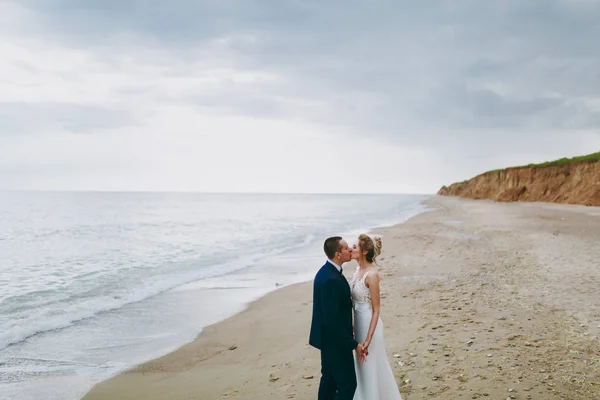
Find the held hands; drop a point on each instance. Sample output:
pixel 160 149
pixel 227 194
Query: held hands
pixel 362 352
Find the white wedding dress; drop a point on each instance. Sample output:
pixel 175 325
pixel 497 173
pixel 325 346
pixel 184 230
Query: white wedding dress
pixel 375 379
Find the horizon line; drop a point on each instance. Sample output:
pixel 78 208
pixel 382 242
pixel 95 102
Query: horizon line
pixel 207 192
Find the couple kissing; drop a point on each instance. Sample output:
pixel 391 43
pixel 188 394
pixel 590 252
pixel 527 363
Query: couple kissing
pixel 346 326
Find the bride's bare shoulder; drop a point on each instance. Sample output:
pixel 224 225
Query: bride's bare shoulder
pixel 374 271
pixel 372 275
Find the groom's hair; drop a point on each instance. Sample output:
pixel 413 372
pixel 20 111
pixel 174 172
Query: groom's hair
pixel 332 246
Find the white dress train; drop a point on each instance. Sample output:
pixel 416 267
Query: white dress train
pixel 375 379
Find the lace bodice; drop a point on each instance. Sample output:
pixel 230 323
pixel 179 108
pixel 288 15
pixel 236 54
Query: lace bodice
pixel 360 291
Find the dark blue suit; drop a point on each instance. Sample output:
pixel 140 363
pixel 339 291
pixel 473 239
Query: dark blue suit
pixel 331 332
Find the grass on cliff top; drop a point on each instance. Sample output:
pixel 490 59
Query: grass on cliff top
pixel 590 158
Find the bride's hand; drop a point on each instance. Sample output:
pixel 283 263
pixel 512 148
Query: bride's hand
pixel 366 348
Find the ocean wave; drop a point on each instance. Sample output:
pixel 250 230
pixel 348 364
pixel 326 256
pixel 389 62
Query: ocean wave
pixel 42 320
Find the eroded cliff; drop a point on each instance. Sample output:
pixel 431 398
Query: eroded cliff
pixel 573 183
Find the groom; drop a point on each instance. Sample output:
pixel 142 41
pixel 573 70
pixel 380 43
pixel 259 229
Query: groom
pixel 331 328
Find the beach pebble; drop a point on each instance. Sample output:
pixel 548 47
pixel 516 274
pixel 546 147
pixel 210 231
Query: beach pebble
pixel 400 363
pixel 396 355
pixel 308 377
pixel 407 381
pixel 233 347
pixel 511 390
pixel 273 378
pixel 489 355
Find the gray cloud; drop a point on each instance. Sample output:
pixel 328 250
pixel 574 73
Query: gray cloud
pixel 23 118
pixel 485 109
pixel 418 58
pixel 486 78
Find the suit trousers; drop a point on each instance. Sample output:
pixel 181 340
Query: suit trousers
pixel 338 376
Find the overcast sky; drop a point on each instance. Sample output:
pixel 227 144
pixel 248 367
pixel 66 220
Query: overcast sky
pixel 290 95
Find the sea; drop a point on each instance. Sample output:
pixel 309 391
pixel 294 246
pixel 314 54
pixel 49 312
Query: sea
pixel 93 283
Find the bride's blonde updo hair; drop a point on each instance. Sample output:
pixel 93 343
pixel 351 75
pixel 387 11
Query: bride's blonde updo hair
pixel 372 245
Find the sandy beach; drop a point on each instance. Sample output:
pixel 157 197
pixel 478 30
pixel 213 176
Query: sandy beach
pixel 480 300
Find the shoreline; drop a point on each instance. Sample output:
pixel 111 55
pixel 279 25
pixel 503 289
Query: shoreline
pixel 431 262
pixel 66 363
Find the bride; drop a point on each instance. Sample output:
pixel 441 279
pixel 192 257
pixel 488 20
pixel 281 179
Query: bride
pixel 374 376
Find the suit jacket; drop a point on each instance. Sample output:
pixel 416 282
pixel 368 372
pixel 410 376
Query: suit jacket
pixel 331 326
